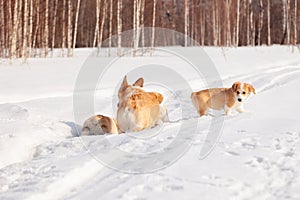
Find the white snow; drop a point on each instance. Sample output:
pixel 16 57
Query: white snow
pixel 256 157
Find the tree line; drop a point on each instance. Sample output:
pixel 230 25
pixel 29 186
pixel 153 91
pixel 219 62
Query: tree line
pixel 31 28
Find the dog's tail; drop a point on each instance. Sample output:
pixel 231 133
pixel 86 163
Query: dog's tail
pixel 193 97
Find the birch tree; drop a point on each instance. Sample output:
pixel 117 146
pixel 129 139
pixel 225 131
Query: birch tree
pixel 237 23
pixel 69 30
pixel 110 25
pixel 119 26
pixel 153 27
pixel 63 27
pixel 102 25
pixel 96 32
pixel 283 21
pixel 13 46
pixel 260 23
pixel 269 22
pixel 295 23
pixel 186 22
pixel 76 23
pixel 136 25
pixel 2 29
pixel 46 42
pixel 54 26
pixel 288 30
pixel 25 24
pixel 142 23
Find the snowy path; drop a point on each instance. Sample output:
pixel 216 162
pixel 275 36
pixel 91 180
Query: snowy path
pixel 257 156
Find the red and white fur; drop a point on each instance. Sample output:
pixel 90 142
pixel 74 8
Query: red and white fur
pixel 228 99
pixel 138 109
pixel 99 125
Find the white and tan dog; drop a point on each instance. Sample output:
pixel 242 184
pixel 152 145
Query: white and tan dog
pixel 137 109
pixel 222 98
pixel 99 125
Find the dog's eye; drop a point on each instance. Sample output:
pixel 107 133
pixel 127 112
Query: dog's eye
pixel 244 92
pixel 238 92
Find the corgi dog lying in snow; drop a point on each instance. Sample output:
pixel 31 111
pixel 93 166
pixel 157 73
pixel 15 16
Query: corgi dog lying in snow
pixel 99 125
pixel 137 109
pixel 222 98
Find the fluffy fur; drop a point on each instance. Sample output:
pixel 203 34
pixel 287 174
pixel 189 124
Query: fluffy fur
pixel 222 98
pixel 99 125
pixel 137 109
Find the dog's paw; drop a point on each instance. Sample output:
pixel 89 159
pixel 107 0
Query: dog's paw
pixel 243 111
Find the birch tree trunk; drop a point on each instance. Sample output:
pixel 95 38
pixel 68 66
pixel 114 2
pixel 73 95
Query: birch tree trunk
pixel 110 25
pixel 203 22
pixel 2 39
pixel 284 21
pixel 252 29
pixel 13 46
pixel 260 25
pixel 69 33
pixel 288 30
pixel 63 28
pixel 19 30
pixel 186 22
pixel 295 24
pixel 237 23
pixel 142 23
pixel 248 21
pixel 46 43
pixel 54 26
pixel 98 4
pixel 214 35
pixel 269 22
pixel 37 24
pixel 30 27
pixel 228 40
pixel 76 23
pixel 153 28
pixel 102 25
pixel 136 25
pixel 25 34
pixel 119 28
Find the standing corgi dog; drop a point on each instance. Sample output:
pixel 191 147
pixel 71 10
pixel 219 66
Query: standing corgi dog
pixel 137 109
pixel 99 125
pixel 222 98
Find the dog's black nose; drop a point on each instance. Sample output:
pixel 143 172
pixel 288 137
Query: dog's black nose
pixel 240 100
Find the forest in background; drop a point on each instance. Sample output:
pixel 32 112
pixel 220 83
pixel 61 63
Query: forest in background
pixel 33 28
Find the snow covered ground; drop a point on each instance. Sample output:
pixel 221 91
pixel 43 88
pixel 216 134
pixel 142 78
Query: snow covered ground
pixel 256 157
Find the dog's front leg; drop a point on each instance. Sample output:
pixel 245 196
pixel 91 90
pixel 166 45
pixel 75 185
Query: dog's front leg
pixel 241 109
pixel 227 111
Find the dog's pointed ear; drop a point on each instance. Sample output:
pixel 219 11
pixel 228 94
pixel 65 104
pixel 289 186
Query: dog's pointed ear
pixel 251 88
pixel 124 84
pixel 235 86
pixel 139 82
pixel 158 96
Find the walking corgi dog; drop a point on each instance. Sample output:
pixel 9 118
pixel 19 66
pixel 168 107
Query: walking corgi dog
pixel 222 98
pixel 137 109
pixel 99 125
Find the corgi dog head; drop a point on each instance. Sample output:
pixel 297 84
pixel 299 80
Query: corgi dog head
pixel 126 89
pixel 242 91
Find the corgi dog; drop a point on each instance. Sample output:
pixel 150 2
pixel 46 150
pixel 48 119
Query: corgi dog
pixel 137 109
pixel 222 98
pixel 99 125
